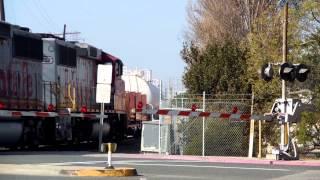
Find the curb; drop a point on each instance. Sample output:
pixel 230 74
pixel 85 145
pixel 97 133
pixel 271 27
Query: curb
pixel 223 159
pixel 117 172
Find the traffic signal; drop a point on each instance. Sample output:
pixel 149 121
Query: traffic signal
pixel 267 72
pixel 290 72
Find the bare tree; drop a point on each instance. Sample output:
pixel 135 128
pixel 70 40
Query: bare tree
pixel 223 19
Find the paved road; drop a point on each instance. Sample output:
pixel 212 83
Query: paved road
pixel 147 168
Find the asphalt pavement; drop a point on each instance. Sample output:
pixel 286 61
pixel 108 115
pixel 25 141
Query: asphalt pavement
pixel 48 165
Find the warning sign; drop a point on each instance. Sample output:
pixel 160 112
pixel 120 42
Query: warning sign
pixel 103 93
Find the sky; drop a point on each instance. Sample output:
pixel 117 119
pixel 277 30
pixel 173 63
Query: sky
pixel 144 34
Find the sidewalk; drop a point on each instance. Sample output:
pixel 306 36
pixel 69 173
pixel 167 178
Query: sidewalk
pixel 217 159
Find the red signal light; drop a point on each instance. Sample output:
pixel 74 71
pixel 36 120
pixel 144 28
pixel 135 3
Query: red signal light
pixel 84 109
pixel 235 110
pixel 193 107
pixel 50 107
pixel 2 105
pixel 140 105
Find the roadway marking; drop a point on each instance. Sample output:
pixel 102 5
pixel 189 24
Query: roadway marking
pixel 205 166
pixel 167 176
pixel 74 163
pixel 114 162
pixel 147 163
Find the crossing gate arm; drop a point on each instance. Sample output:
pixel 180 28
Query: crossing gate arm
pixel 172 112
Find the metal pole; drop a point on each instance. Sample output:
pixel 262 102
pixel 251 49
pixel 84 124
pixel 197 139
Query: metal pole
pixel 260 141
pixel 182 105
pixel 101 127
pixel 284 46
pixel 203 122
pixel 284 57
pixel 109 155
pixel 176 102
pixel 2 13
pixel 152 119
pixel 64 32
pixel 160 117
pixel 251 136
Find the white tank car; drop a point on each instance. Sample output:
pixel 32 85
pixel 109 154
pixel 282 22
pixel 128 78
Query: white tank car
pixel 134 83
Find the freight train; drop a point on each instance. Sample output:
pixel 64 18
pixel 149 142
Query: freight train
pixel 48 91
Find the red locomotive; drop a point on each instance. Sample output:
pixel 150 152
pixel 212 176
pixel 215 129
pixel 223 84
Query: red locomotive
pixel 48 91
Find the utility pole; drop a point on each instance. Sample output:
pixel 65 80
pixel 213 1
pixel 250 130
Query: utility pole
pixel 284 125
pixel 287 72
pixel 2 14
pixel 284 46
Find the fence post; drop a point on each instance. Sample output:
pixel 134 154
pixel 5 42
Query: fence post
pixel 260 153
pixel 251 135
pixel 203 122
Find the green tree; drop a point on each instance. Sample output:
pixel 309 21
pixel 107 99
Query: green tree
pixel 265 45
pixel 219 68
pixel 221 62
pixel 309 126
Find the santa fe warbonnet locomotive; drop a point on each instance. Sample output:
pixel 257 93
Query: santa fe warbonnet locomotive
pixel 48 91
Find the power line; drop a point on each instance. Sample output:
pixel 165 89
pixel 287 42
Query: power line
pixel 31 13
pixel 44 13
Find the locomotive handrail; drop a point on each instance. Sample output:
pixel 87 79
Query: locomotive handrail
pixel 17 114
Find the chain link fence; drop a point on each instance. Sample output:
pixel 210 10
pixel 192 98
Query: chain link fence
pixel 180 135
pixel 206 136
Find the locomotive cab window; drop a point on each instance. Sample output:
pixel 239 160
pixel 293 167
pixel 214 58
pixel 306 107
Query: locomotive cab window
pixel 27 47
pixel 4 30
pixel 67 56
pixel 118 69
pixel 93 52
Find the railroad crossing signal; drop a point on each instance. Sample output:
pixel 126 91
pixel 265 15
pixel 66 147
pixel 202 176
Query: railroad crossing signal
pixel 267 72
pixel 302 72
pixel 290 72
pixel 287 72
pixel 293 3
